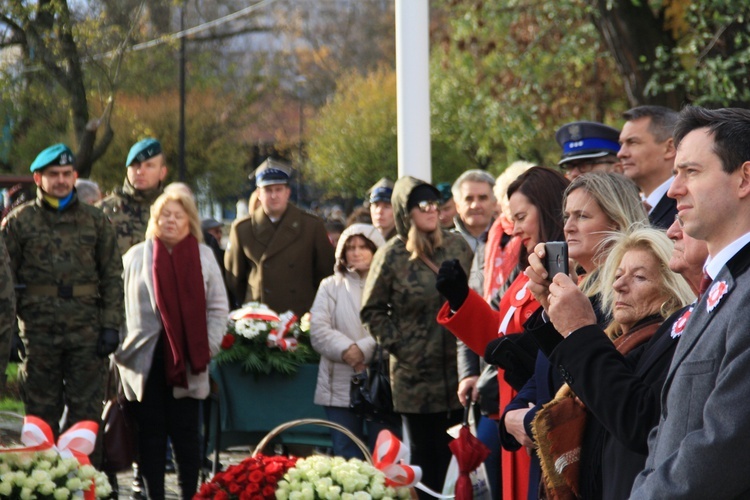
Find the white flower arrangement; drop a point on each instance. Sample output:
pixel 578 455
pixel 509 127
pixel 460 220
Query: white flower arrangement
pixel 262 341
pixel 45 475
pixel 335 478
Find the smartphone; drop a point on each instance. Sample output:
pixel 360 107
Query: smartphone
pixel 556 260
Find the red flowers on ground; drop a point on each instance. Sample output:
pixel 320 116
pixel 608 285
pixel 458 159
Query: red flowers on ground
pixel 254 478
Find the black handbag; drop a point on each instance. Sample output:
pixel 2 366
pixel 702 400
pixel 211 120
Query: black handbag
pixel 370 394
pixel 516 355
pixel 119 437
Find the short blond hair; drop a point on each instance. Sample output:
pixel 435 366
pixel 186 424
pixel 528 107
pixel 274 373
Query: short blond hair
pixel 184 198
pixel 655 242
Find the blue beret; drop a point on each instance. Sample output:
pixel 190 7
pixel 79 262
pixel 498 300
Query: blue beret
pixel 56 155
pixel 581 140
pixel 143 150
pixel 272 172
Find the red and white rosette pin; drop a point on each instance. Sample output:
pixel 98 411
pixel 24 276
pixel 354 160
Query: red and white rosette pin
pixel 718 290
pixel 679 325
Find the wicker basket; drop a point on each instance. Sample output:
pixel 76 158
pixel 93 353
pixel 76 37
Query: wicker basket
pixel 313 421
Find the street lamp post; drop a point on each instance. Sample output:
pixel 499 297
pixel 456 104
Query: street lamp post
pixel 182 170
pixel 301 80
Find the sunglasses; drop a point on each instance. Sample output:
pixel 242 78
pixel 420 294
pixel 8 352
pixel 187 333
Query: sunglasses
pixel 586 166
pixel 428 206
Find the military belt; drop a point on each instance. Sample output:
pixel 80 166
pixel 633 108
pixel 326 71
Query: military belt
pixel 63 291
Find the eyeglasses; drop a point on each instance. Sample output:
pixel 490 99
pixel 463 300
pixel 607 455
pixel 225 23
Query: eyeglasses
pixel 585 166
pixel 428 206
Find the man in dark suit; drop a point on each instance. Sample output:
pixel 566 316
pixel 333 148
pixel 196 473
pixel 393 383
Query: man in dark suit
pixel 647 155
pixel 700 447
pixel 278 254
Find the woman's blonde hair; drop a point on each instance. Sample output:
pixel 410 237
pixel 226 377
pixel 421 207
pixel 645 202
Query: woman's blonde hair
pixel 620 200
pixel 184 198
pixel 656 243
pixel 419 243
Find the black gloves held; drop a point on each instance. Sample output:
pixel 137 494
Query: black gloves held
pixel 452 283
pixel 109 339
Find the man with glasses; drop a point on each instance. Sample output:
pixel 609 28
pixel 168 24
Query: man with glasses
pixel 588 147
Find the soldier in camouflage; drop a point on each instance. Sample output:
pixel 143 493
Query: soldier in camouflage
pixel 399 308
pixel 129 208
pixel 65 259
pixel 7 311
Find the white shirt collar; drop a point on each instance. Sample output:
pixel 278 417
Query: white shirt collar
pixel 656 196
pixel 714 264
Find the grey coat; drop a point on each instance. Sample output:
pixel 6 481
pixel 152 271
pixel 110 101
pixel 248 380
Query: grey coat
pixel 143 323
pixel 701 447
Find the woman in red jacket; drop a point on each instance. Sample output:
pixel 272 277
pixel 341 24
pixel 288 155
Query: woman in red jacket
pixel 535 203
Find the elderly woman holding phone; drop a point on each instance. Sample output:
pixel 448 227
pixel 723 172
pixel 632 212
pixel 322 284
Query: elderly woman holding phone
pixel 618 373
pixel 176 312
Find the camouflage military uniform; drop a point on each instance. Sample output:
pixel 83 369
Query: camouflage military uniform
pixel 7 310
pixel 399 308
pixel 71 268
pixel 129 210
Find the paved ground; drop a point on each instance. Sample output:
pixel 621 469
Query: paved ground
pixel 172 491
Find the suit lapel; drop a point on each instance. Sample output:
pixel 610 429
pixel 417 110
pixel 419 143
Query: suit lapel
pixel 285 234
pixel 663 213
pixel 660 344
pixel 700 318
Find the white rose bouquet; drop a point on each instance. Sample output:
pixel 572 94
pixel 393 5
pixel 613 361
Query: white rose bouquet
pixel 45 475
pixel 262 341
pixel 334 478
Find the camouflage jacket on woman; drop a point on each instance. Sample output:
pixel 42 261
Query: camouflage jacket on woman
pixel 399 307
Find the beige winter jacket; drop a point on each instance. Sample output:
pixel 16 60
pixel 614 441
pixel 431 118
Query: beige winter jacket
pixel 335 325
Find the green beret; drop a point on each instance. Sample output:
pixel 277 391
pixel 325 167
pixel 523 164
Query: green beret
pixel 53 156
pixel 143 150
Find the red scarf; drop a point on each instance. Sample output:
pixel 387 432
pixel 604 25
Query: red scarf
pixel 181 299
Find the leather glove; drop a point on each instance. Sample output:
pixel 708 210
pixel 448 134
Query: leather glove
pixel 452 283
pixel 109 339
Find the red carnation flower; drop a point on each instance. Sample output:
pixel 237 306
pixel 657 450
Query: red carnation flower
pixel 227 341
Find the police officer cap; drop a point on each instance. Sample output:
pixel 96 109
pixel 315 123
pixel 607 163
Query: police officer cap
pixel 445 192
pixel 381 191
pixel 581 140
pixel 143 150
pixel 53 156
pixel 272 172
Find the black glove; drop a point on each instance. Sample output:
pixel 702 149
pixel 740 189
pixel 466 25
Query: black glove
pixel 109 339
pixel 452 283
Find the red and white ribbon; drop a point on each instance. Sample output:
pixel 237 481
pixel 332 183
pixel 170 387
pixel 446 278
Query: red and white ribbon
pixel 286 321
pixel 77 442
pixel 279 338
pixel 389 454
pixel 390 458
